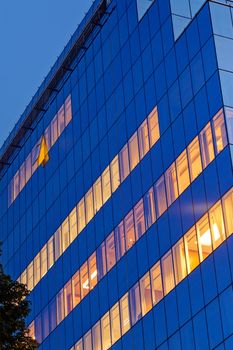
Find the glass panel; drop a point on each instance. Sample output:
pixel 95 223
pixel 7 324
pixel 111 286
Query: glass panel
pixel 156 282
pixel 76 288
pixel 68 110
pixel 110 251
pixel 45 322
pixel 120 240
pixel 143 138
pixel 96 336
pixel 160 196
pixel 115 323
pixel 47 135
pixel 22 176
pixel 106 335
pixel 54 131
pixel 98 201
pixel 79 345
pixel 191 249
pixel 133 151
pixel 139 219
pixel 28 167
pixel 129 230
pixel 37 269
pixel 207 148
pixel 204 237
pixel 220 135
pixel 81 215
pixel 73 224
pixel 106 184
pixel 101 261
pixel 149 208
pixel 229 122
pixel 89 205
pixel 168 274
pixel 30 276
pixel 35 154
pixel 171 184
pixel 182 172
pixel 125 320
pixel 153 126
pixel 228 210
pixel 84 280
pixel 135 304
pixel 217 225
pixel 194 157
pixel 61 120
pixel 60 306
pixel 50 252
pixel 52 314
pixel 92 270
pixel 124 162
pixel 145 288
pixel 57 242
pixel 38 329
pixel 68 298
pixel 179 261
pixel 115 175
pixel 16 184
pixel 87 341
pixel 65 235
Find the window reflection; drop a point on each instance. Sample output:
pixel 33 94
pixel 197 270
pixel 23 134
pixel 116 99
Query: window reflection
pixel 228 210
pixel 194 157
pixel 106 335
pixel 133 151
pixel 191 249
pixel 204 237
pixel 182 172
pixel 156 282
pixel 207 148
pixel 217 225
pixel 146 297
pixel 179 260
pixel 219 131
pixel 171 184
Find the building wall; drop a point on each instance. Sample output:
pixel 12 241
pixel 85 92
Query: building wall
pixel 131 67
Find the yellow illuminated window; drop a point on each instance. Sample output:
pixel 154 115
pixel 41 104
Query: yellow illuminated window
pixel 124 162
pixel 54 130
pixel 171 184
pixel 65 235
pixel 43 156
pixel 106 335
pixel 194 157
pixel 179 260
pixel 16 184
pixel 44 263
pixel 57 244
pixel 115 323
pixel 50 252
pixel 89 205
pixel 220 134
pixel 182 172
pixel 133 151
pixel 79 345
pixel 207 148
pixel 146 297
pixel 191 249
pixel 37 269
pixel 73 224
pixel 228 210
pixel 60 306
pixel 98 202
pixel 106 184
pixel 84 280
pixel 143 138
pixel 217 224
pixel 160 196
pixel 68 304
pixel 96 336
pixel 167 272
pixel 156 282
pixel 61 120
pixel 139 219
pixel 129 230
pixel 204 237
pixel 153 126
pixel 81 215
pixel 125 320
pixel 115 175
pixel 110 251
pixel 87 341
pixel 149 208
pixel 120 240
pixel 76 289
pixel 68 110
pixel 92 270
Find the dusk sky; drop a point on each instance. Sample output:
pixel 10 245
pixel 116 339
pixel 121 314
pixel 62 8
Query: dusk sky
pixel 32 35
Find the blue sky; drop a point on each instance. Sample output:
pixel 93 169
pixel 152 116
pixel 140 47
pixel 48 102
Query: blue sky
pixel 32 35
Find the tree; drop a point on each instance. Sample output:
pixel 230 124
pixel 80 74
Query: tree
pixel 14 308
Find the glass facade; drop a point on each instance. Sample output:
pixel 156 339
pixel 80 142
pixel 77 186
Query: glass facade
pixel 116 184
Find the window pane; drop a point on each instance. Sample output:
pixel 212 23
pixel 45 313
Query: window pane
pixel 106 184
pixel 81 215
pixel 194 157
pixel 101 261
pixel 68 110
pixel 45 322
pixel 73 224
pixel 28 167
pixel 87 341
pixel 207 148
pixel 191 249
pixel 98 202
pixel 106 336
pixel 54 132
pixel 96 336
pixel 139 219
pixel 47 135
pixel 153 126
pixel 60 306
pixel 120 240
pixel 57 242
pixel 182 172
pixel 38 329
pixel 124 163
pixel 115 175
pixel 145 289
pixel 65 235
pixel 143 138
pixel 115 323
pixel 30 284
pixel 79 345
pixel 50 252
pixel 129 230
pixel 92 270
pixel 156 282
pixel 44 260
pixel 149 208
pixel 36 269
pixel 84 280
pixel 16 184
pixel 76 288
pixel 110 251
pixel 220 135
pixel 89 205
pixel 217 225
pixel 229 121
pixel 68 298
pixel 52 314
pixel 125 320
pixel 228 210
pixel 22 176
pixel 61 120
pixel 135 304
pixel 160 196
pixel 171 184
pixel 168 274
pixel 133 151
pixel 204 237
pixel 179 261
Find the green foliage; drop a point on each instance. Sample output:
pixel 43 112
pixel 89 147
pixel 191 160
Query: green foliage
pixel 14 308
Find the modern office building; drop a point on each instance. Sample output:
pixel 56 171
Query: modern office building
pixel 116 183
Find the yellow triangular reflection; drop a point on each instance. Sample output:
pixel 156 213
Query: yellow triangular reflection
pixel 44 153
